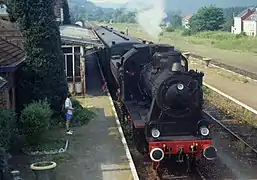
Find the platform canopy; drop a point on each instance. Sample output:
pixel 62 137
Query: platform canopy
pixel 79 35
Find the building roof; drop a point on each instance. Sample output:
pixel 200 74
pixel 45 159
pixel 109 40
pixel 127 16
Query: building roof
pixel 78 34
pixel 111 37
pixel 4 24
pixel 3 83
pixel 11 55
pixel 252 17
pixel 244 12
pixel 187 17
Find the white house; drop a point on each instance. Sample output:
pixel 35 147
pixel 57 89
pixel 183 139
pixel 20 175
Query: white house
pixel 242 18
pixel 185 21
pixel 250 25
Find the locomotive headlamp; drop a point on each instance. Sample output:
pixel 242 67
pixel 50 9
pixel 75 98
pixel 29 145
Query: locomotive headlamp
pixel 180 87
pixel 204 131
pixel 155 133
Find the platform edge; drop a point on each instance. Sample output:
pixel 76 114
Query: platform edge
pixel 231 98
pixel 123 139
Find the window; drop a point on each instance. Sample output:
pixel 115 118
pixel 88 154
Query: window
pixel 77 50
pixel 69 67
pixel 77 65
pixel 67 50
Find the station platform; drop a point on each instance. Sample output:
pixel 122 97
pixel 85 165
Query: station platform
pixel 236 86
pixel 102 155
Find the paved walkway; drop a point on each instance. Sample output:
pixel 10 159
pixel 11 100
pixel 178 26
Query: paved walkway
pixel 96 148
pixel 235 86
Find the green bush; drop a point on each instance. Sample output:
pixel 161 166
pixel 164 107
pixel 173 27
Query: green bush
pixel 186 32
pixel 76 104
pixel 7 127
pixel 82 116
pixel 170 29
pixel 35 119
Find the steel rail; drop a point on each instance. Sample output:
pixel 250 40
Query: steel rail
pixel 231 132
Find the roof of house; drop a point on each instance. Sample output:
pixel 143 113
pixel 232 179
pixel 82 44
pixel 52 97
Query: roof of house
pixel 252 17
pixel 4 24
pixel 244 12
pixel 187 17
pixel 3 83
pixel 10 55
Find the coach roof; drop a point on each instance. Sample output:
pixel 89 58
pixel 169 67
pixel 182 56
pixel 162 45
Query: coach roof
pixel 111 37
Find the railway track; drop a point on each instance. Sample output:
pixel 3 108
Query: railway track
pixel 170 170
pixel 246 134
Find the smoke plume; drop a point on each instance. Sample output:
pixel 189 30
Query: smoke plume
pixel 149 15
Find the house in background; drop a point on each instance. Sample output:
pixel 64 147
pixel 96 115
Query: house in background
pixel 245 22
pixel 185 21
pixel 250 24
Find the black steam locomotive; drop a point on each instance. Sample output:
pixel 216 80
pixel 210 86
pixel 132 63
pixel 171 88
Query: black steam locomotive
pixel 159 95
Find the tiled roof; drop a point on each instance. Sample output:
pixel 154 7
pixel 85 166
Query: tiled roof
pixel 3 83
pixel 187 17
pixel 252 17
pixel 10 54
pixel 245 11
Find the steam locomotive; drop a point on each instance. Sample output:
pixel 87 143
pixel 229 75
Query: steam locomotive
pixel 159 96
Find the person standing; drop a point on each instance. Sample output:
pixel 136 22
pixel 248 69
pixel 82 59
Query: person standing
pixel 69 111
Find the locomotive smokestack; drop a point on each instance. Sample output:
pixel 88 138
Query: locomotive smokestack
pixel 174 61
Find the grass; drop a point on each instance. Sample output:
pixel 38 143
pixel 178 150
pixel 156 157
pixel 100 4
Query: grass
pixel 214 39
pixel 200 65
pixel 229 107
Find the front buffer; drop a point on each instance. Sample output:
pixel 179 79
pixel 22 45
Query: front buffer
pixel 182 150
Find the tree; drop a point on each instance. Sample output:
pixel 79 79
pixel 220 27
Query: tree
pixel 42 75
pixel 227 24
pixel 175 19
pixel 91 12
pixel 66 12
pixel 207 19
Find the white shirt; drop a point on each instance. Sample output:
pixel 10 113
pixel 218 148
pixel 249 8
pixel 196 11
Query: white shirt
pixel 68 105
